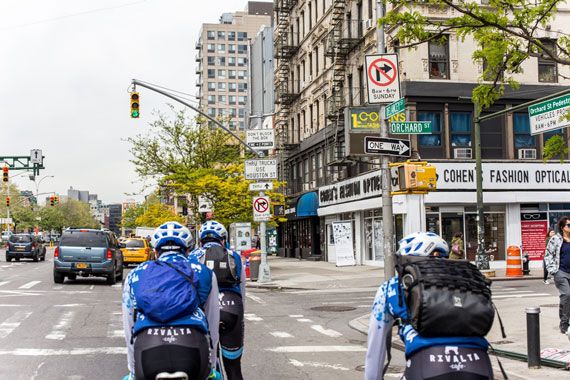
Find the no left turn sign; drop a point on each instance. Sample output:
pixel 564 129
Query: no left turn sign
pixel 383 78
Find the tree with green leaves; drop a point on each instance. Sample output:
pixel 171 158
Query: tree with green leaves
pixel 156 214
pixel 197 160
pixel 506 32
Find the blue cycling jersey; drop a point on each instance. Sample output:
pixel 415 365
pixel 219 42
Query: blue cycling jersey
pixel 197 256
pixel 385 309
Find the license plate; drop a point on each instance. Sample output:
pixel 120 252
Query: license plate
pixel 19 248
pixel 81 265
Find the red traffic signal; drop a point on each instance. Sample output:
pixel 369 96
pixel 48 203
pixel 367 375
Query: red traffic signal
pixel 52 201
pixel 5 172
pixel 7 201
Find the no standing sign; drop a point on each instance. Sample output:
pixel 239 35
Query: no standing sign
pixel 383 78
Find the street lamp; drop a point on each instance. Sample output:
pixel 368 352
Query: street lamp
pixel 38 186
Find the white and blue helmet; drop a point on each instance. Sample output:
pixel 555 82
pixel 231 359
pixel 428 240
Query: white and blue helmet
pixel 172 236
pixel 213 230
pixel 423 244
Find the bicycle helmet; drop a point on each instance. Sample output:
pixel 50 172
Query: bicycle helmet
pixel 172 236
pixel 212 230
pixel 423 244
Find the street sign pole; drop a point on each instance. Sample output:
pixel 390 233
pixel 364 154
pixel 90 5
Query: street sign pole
pixel 264 270
pixel 387 212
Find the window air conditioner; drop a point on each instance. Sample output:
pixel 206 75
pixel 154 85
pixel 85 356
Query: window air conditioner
pixel 367 24
pixel 527 154
pixel 464 153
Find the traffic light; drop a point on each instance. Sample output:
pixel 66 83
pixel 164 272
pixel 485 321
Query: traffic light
pixel 56 200
pixel 52 201
pixel 5 172
pixel 7 201
pixel 135 112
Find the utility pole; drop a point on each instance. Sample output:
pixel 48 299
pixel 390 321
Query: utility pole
pixel 482 259
pixel 387 212
pixel 264 274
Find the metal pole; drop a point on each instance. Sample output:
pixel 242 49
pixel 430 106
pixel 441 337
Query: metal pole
pixel 264 270
pixel 217 123
pixel 482 259
pixel 387 212
pixel 533 336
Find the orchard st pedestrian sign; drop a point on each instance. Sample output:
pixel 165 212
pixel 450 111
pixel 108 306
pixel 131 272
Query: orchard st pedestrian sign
pixel 549 115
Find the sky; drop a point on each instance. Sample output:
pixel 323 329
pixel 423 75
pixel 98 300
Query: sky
pixel 65 71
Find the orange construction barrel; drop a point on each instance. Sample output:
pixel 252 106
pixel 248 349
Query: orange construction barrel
pixel 514 261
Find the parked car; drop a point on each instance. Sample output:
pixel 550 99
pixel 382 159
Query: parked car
pixel 88 252
pixel 136 251
pixel 25 246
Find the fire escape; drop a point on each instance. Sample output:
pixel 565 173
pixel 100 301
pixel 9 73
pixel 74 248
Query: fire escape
pixel 343 37
pixel 285 91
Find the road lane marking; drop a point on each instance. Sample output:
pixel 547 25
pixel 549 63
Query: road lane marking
pixel 281 334
pixel 4 283
pixel 63 352
pixel 70 305
pixel 92 287
pixel 296 315
pixel 9 305
pixel 304 320
pixel 117 286
pixel 335 290
pixel 297 363
pixel 255 298
pixel 523 295
pixel 301 349
pixel 115 328
pixel 60 330
pixel 327 332
pixel 13 322
pixel 29 285
pixel 253 317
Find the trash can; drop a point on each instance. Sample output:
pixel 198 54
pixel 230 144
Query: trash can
pixel 245 257
pixel 254 263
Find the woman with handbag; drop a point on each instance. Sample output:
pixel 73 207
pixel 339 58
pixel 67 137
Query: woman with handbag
pixel 457 252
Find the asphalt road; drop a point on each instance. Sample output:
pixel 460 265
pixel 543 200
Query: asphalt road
pixel 74 331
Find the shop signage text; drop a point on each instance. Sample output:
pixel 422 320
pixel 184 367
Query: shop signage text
pixel 365 186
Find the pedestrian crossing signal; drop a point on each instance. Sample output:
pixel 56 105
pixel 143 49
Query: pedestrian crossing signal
pixel 135 111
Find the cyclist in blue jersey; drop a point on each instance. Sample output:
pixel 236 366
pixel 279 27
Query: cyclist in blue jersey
pixel 158 343
pixel 441 358
pixel 230 274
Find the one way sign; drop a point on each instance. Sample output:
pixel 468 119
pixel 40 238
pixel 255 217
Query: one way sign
pixel 386 146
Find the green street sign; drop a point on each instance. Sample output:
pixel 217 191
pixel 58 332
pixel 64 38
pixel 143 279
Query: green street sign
pixel 411 128
pixel 394 108
pixel 549 115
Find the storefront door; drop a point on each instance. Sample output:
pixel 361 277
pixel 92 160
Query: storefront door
pixel 451 223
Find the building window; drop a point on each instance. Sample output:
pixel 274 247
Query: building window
pixel 306 172
pixel 231 61
pixel 211 34
pixel 521 130
pixel 242 49
pixel 221 48
pixel 221 61
pixel 232 112
pixel 233 86
pixel 222 99
pixel 241 74
pixel 460 129
pixel 221 74
pixel 211 99
pixel 221 85
pixel 310 6
pixel 242 36
pixel 211 61
pixel 547 68
pixel 231 48
pixel 233 99
pixel 242 100
pixel 439 58
pixel 320 165
pixel 370 9
pixel 211 86
pixel 211 73
pixel 211 48
pixel 242 87
pixel 221 35
pixel 232 74
pixel 430 146
pixel 231 36
pixel 242 61
pixel 212 112
pixel 241 113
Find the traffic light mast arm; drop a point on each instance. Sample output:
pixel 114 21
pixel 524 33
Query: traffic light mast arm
pixel 217 123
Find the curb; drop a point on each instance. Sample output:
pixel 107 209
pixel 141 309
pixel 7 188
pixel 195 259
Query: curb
pixel 493 279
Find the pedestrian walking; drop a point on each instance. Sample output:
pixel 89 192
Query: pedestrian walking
pixel 457 252
pixel 557 261
pixel 550 234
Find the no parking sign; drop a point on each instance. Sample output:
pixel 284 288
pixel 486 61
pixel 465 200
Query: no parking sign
pixel 383 78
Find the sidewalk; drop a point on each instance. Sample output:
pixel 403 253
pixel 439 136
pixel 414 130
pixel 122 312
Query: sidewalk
pixel 287 273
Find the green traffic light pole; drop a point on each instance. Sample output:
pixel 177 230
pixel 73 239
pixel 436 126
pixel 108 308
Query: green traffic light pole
pixel 264 270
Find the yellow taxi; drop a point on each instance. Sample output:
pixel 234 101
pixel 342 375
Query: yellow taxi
pixel 136 250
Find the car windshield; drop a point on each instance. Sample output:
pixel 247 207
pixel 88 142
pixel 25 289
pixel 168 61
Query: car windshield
pixel 20 239
pixel 84 239
pixel 134 243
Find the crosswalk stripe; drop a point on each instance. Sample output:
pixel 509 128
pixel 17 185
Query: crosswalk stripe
pixel 255 298
pixel 304 320
pixel 115 329
pixel 300 349
pixel 64 352
pixel 2 283
pixel 281 334
pixel 29 285
pixel 522 295
pixel 297 363
pixel 13 322
pixel 253 317
pixel 327 332
pixel 60 330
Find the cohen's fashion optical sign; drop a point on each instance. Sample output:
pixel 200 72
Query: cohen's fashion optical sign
pixel 504 176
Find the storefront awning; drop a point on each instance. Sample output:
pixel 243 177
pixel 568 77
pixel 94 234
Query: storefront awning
pixel 307 205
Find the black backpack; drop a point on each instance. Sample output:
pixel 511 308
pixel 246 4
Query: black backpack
pixel 223 264
pixel 445 297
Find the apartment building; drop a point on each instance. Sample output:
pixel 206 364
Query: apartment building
pixel 223 62
pixel 320 82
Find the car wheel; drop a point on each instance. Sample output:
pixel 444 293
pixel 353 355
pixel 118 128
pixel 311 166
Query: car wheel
pixel 120 276
pixel 8 259
pixel 58 278
pixel 36 258
pixel 43 257
pixel 112 278
pixel 17 259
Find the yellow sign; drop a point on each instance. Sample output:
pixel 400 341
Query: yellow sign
pixel 367 118
pixel 415 177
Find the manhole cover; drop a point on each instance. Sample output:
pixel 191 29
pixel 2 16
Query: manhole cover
pixel 550 305
pixel 335 308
